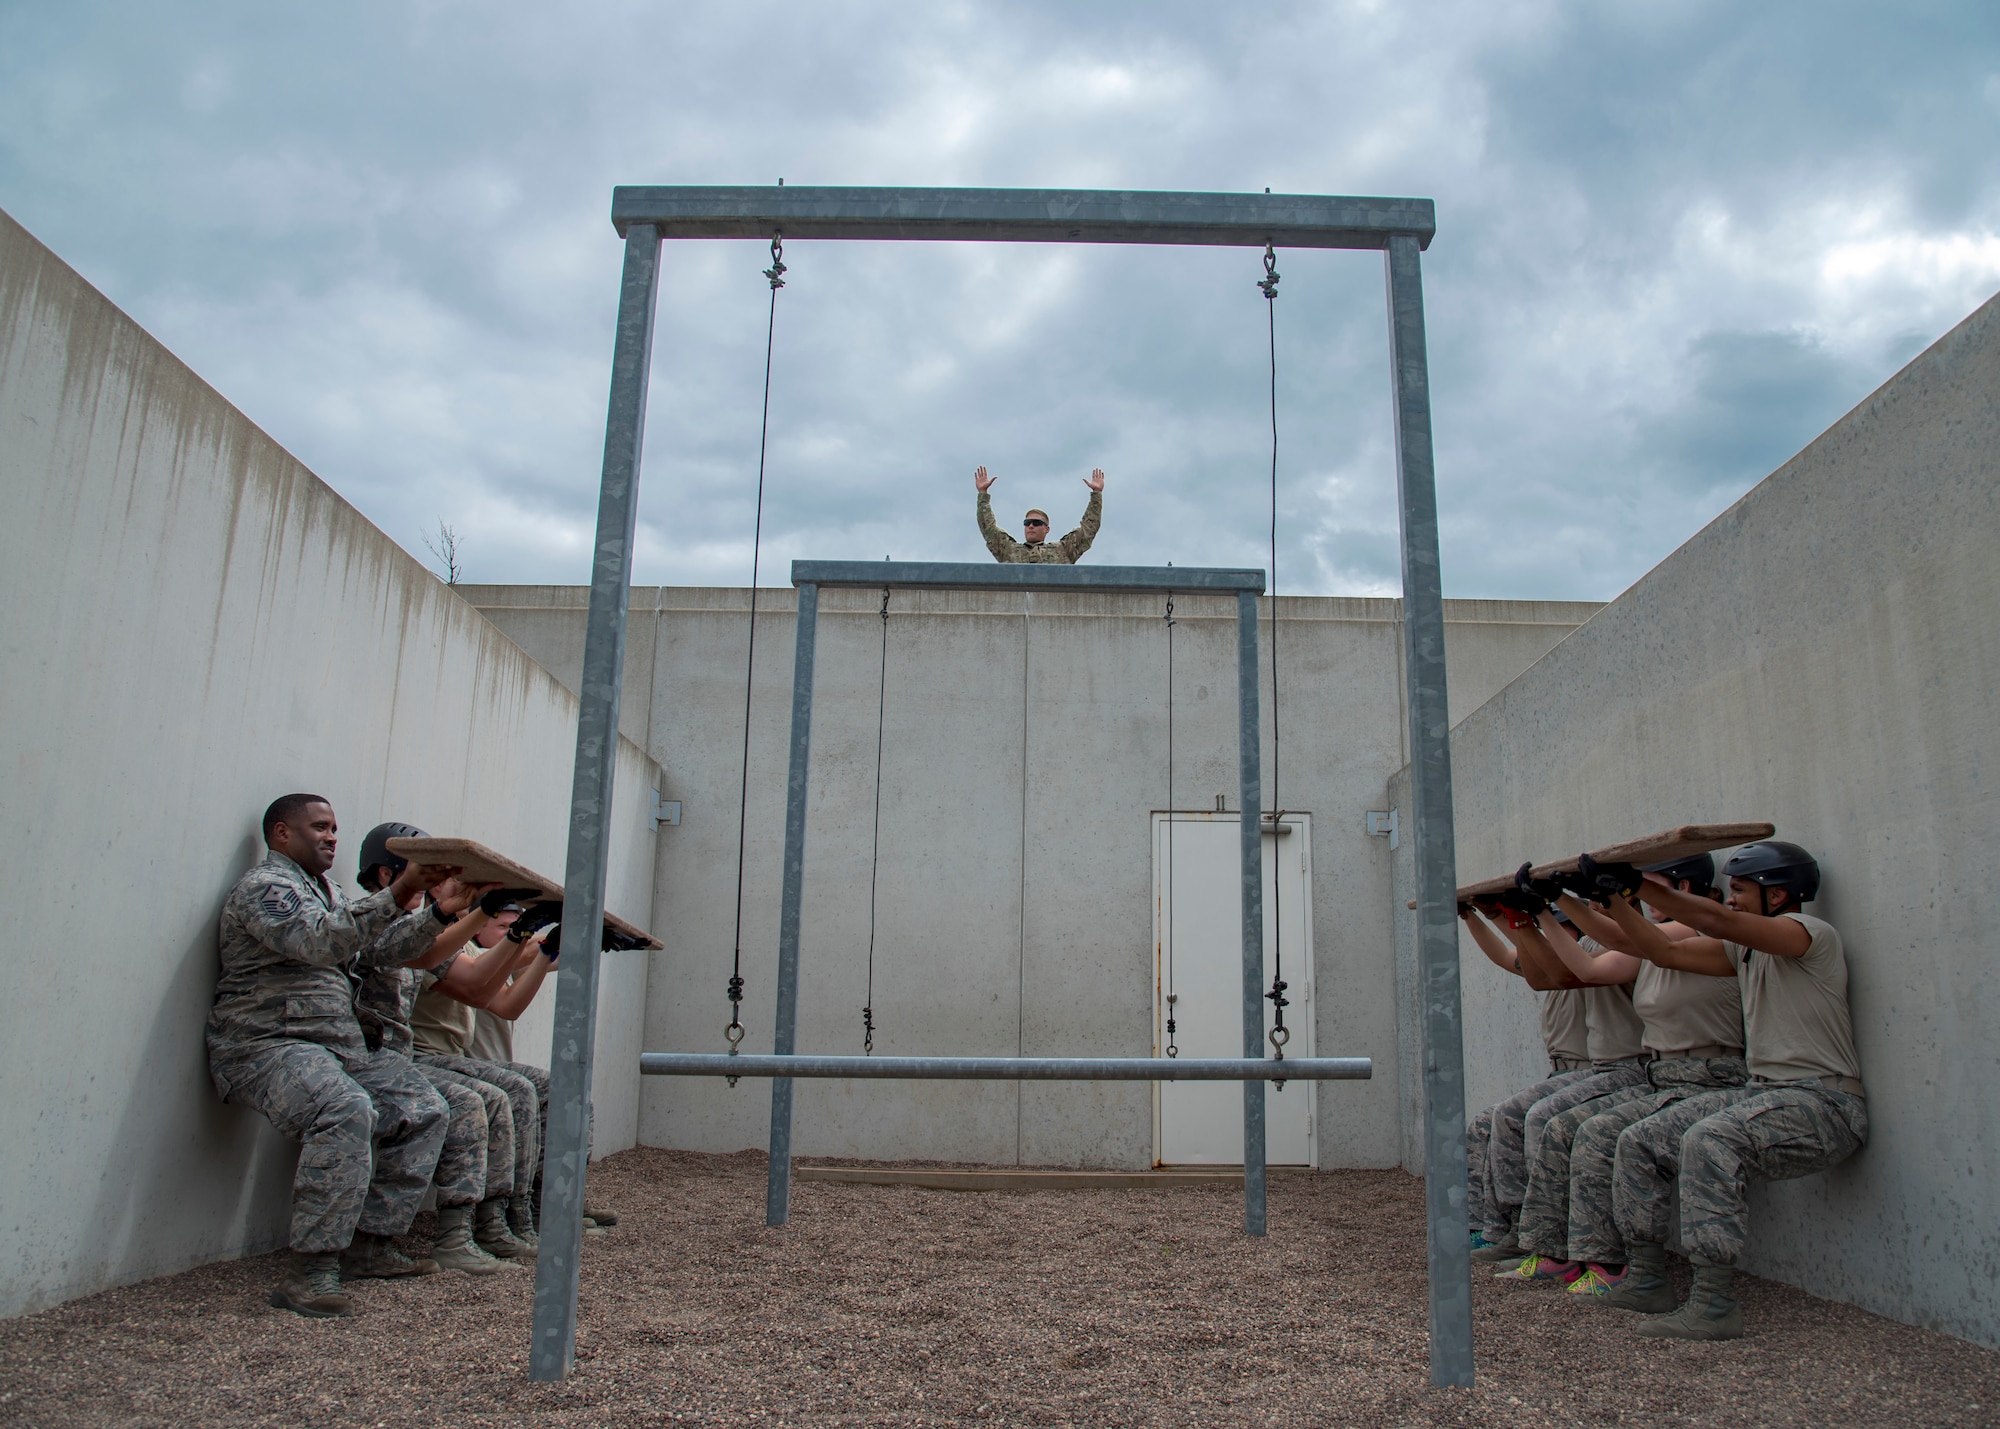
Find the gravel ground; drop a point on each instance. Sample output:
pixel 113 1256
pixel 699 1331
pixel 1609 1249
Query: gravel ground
pixel 897 1306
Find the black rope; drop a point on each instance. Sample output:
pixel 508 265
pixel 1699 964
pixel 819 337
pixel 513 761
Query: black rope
pixel 1280 1035
pixel 875 855
pixel 1173 997
pixel 775 275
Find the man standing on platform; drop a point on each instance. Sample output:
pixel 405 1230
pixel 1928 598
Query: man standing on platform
pixel 1035 545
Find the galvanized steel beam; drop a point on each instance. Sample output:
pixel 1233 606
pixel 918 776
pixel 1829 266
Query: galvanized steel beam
pixel 1026 215
pixel 1250 792
pixel 1012 1069
pixel 1431 827
pixel 567 1145
pixel 785 1031
pixel 987 575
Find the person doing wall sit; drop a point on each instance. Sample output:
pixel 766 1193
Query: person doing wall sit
pixel 1035 545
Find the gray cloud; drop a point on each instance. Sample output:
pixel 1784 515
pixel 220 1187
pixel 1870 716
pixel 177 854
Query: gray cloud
pixel 1673 245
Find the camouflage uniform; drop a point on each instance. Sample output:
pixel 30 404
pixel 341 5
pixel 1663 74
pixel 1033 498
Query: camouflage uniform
pixel 1572 1168
pixel 1066 552
pixel 282 1038
pixel 1506 1178
pixel 478 1156
pixel 526 1088
pixel 1717 1142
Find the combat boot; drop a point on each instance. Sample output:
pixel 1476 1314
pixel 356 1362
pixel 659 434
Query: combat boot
pixel 602 1216
pixel 1711 1312
pixel 455 1249
pixel 521 1221
pixel 490 1230
pixel 311 1287
pixel 375 1257
pixel 1492 1251
pixel 1645 1287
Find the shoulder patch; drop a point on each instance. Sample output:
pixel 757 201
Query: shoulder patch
pixel 279 901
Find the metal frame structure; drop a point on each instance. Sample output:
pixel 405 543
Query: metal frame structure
pixel 811 577
pixel 645 217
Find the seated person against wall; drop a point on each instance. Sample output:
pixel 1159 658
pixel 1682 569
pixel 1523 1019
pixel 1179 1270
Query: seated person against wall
pixel 503 977
pixel 476 1168
pixel 283 1038
pixel 1494 1138
pixel 1693 1042
pixel 1617 1063
pixel 1804 1110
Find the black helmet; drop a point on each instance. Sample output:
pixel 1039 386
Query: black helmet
pixel 375 850
pixel 1698 870
pixel 1776 864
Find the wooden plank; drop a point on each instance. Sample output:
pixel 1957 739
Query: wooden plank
pixel 479 864
pixel 1007 1179
pixel 1667 846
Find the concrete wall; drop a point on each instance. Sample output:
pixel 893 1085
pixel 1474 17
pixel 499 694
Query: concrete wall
pixel 1826 655
pixel 195 624
pixel 957 970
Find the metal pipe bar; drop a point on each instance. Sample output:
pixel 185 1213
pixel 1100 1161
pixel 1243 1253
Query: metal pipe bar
pixel 1252 1070
pixel 1249 752
pixel 987 575
pixel 1431 827
pixel 567 1145
pixel 1026 215
pixel 785 1028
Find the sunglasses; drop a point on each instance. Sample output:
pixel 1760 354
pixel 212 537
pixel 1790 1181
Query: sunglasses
pixel 1032 522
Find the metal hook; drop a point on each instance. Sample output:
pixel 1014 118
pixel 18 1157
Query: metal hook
pixel 1269 283
pixel 776 272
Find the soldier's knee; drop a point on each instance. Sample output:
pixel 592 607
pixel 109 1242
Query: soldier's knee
pixel 345 1111
pixel 1709 1143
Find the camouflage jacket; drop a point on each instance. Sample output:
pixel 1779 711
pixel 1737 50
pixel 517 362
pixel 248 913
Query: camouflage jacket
pixel 1066 552
pixel 387 989
pixel 291 951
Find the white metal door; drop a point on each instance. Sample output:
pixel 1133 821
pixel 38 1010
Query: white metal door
pixel 1198 960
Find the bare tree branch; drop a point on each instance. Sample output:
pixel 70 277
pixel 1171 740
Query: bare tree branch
pixel 445 549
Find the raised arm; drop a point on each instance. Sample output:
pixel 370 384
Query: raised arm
pixel 512 1000
pixel 1078 541
pixel 1605 969
pixel 1498 950
pixel 1779 936
pixel 998 542
pixel 1539 964
pixel 1690 955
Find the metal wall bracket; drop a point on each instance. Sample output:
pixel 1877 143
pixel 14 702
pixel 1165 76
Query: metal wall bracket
pixel 666 811
pixel 1382 825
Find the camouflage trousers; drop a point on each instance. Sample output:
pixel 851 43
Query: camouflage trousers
pixel 478 1143
pixel 1717 1143
pixel 1494 1154
pixel 1572 1168
pixel 369 1130
pixel 527 1092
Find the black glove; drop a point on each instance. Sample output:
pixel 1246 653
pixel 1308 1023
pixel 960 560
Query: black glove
pixel 494 903
pixel 534 918
pixel 552 945
pixel 1529 894
pixel 1605 881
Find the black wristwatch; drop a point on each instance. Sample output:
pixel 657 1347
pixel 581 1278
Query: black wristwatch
pixel 445 920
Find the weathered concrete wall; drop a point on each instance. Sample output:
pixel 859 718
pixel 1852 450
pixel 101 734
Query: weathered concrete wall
pixel 1826 655
pixel 195 624
pixel 957 970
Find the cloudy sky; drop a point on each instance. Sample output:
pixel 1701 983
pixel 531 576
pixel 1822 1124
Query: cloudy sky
pixel 1676 240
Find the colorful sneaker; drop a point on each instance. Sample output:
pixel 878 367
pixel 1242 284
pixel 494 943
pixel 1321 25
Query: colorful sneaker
pixel 1540 1270
pixel 1596 1281
pixel 1481 1241
pixel 1492 1252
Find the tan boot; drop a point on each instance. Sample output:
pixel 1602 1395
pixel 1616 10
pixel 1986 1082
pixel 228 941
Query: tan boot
pixel 490 1230
pixel 1711 1312
pixel 455 1249
pixel 375 1257
pixel 601 1215
pixel 521 1221
pixel 311 1287
pixel 1645 1287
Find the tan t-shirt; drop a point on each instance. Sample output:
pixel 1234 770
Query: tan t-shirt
pixel 493 1036
pixel 439 1024
pixel 1616 1033
pixel 1682 1010
pixel 1795 1009
pixel 1563 1029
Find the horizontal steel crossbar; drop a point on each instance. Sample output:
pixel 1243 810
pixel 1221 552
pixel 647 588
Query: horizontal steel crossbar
pixel 1014 1069
pixel 1026 215
pixel 989 575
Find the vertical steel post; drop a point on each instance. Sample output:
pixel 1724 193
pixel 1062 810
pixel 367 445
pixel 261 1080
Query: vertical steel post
pixel 1431 827
pixel 785 1034
pixel 1249 756
pixel 567 1136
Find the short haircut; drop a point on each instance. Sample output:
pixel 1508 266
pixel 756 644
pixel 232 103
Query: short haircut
pixel 1036 511
pixel 287 807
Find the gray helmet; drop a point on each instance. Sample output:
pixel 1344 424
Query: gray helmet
pixel 1776 864
pixel 375 850
pixel 1698 870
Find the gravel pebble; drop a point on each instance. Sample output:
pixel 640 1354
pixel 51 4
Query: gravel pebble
pixel 898 1306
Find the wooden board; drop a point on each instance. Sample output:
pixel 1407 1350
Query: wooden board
pixel 479 864
pixel 1668 846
